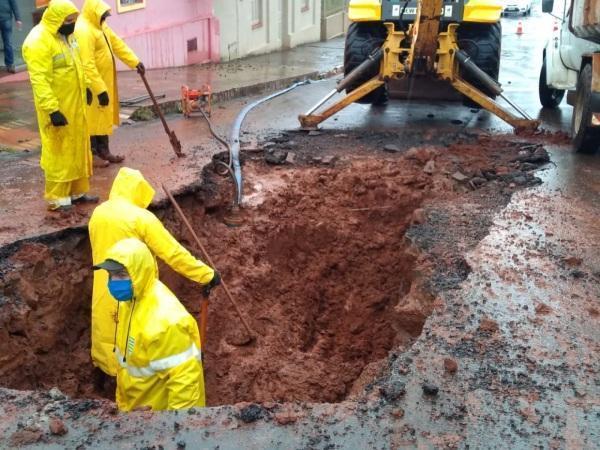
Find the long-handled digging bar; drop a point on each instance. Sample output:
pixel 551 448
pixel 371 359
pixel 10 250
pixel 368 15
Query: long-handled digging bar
pixel 203 318
pixel 251 334
pixel 172 137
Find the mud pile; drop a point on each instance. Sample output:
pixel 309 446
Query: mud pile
pixel 321 267
pixel 316 268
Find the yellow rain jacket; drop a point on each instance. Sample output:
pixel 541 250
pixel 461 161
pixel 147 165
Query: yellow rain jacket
pixel 157 341
pixel 99 45
pixel 124 215
pixel 59 84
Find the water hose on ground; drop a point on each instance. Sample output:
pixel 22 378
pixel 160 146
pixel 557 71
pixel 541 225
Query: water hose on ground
pixel 234 136
pixel 233 166
pixel 226 166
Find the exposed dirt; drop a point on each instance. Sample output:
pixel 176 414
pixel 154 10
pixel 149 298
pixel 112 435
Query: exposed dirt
pixel 44 318
pixel 322 267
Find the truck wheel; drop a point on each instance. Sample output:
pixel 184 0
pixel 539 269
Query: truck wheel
pixel 586 138
pixel 549 98
pixel 483 43
pixel 361 40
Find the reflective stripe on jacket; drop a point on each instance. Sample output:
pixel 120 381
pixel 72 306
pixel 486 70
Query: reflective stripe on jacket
pixel 158 365
pixel 157 340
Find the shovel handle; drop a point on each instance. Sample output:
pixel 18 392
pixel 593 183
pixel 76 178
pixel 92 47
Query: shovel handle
pixel 203 321
pixel 209 260
pixel 172 138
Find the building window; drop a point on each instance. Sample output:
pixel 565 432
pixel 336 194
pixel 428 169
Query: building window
pixel 257 14
pixel 192 45
pixel 304 5
pixel 130 5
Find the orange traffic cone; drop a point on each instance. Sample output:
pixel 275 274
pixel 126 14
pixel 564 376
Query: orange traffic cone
pixel 520 27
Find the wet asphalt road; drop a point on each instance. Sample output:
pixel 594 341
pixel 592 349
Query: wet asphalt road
pixel 546 362
pixel 519 74
pixel 148 150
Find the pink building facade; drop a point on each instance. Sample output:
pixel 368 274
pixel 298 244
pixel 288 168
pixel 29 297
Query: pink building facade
pixel 167 33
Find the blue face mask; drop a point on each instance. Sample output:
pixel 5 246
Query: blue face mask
pixel 121 290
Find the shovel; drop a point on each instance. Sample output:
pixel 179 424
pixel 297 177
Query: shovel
pixel 172 138
pixel 251 336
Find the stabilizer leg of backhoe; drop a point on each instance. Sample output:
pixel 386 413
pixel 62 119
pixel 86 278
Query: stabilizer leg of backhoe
pixel 450 58
pixel 519 124
pixel 310 121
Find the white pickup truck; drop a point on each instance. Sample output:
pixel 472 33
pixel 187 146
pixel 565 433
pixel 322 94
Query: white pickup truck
pixel 572 64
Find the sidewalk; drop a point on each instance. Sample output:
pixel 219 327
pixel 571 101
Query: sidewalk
pixel 248 76
pixel 22 208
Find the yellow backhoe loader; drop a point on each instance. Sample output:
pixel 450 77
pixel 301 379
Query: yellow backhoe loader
pixel 456 41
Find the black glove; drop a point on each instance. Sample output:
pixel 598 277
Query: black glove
pixel 103 98
pixel 88 96
pixel 140 68
pixel 58 120
pixel 216 280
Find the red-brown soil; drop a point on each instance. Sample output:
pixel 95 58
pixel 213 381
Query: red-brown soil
pixel 321 267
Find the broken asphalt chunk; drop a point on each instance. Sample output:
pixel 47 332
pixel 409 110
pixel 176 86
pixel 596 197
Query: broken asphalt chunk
pixel 251 413
pixel 477 182
pixel 539 155
pixel 430 389
pixel 392 391
pixel 429 167
pixel 290 158
pixel 275 157
pixel 459 176
pixel 391 148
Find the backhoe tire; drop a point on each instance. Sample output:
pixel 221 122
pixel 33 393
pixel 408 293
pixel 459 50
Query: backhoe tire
pixel 549 97
pixel 362 39
pixel 586 138
pixel 483 43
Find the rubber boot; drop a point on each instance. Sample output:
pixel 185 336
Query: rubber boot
pixel 97 162
pixel 104 150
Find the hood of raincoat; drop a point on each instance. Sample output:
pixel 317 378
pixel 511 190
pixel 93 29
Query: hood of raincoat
pixel 93 11
pixel 131 185
pixel 139 262
pixel 56 13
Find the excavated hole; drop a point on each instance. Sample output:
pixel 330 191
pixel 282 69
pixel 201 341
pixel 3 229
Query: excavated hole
pixel 321 269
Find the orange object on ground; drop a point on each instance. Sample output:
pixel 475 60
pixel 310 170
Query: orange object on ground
pixel 196 99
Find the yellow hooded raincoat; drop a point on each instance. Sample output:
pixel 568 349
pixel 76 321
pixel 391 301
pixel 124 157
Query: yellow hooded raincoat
pixel 99 45
pixel 124 215
pixel 157 341
pixel 59 84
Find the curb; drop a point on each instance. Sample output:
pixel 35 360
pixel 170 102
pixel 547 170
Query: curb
pixel 144 113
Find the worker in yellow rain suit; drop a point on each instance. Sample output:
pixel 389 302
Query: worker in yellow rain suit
pixel 124 215
pixel 99 45
pixel 157 343
pixel 59 91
